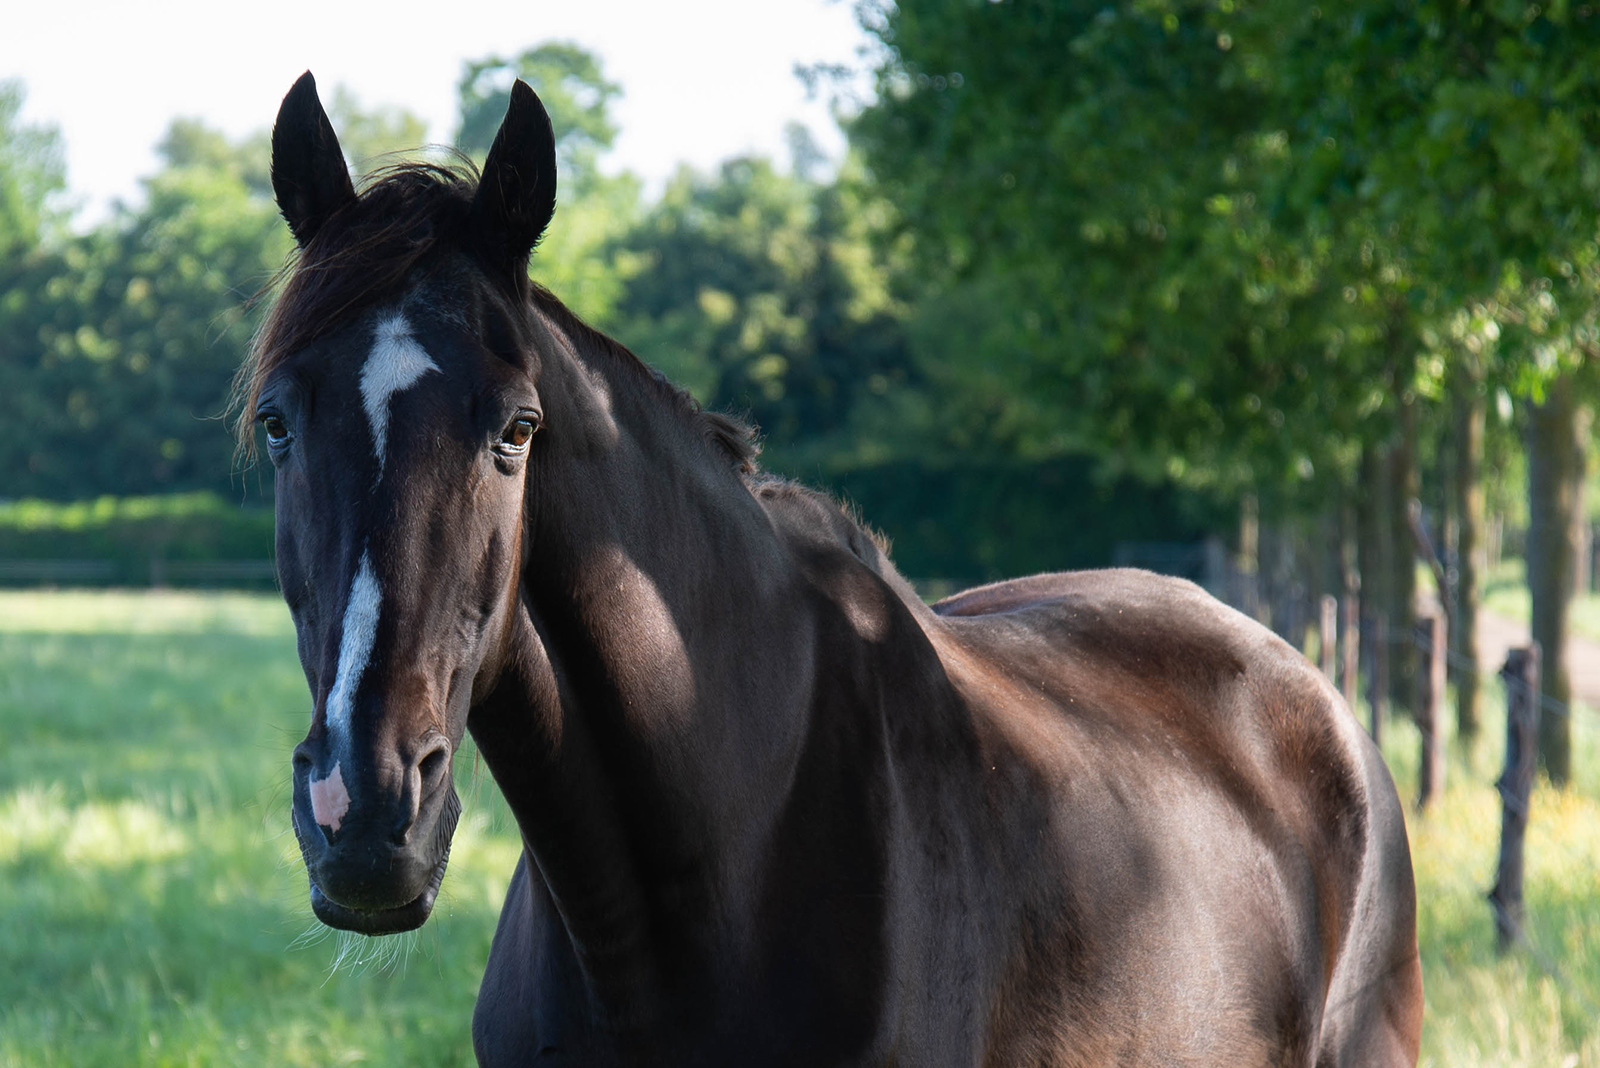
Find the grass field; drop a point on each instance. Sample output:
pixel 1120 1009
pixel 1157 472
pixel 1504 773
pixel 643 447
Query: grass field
pixel 153 906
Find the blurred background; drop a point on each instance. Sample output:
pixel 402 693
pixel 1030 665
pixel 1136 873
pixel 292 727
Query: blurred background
pixel 1299 301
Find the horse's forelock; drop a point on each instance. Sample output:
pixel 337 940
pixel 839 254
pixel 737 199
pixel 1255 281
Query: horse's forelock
pixel 367 254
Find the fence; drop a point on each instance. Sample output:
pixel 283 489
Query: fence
pixel 155 572
pixel 1525 706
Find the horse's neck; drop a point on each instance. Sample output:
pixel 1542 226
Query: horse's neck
pixel 655 705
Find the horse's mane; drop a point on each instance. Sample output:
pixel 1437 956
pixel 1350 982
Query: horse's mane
pixel 370 250
pixel 732 435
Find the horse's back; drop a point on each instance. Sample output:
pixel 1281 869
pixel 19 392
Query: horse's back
pixel 1239 824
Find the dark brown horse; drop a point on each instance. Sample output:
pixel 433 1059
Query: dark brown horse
pixel 775 810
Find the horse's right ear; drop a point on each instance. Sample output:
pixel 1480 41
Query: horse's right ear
pixel 517 195
pixel 309 176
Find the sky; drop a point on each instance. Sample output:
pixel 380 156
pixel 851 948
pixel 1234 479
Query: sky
pixel 702 80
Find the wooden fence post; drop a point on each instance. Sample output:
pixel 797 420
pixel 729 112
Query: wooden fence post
pixel 1521 675
pixel 1351 649
pixel 1433 630
pixel 1328 635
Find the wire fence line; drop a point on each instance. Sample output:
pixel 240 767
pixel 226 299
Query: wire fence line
pixel 1523 933
pixel 1462 664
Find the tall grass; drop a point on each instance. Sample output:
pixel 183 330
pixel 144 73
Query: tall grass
pixel 153 906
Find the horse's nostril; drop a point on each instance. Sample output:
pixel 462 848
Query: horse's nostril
pixel 433 765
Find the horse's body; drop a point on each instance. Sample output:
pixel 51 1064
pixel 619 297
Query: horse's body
pixel 775 810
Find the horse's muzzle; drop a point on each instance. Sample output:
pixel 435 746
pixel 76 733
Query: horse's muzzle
pixel 407 917
pixel 375 857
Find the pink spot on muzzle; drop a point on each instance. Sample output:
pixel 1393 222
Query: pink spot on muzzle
pixel 329 800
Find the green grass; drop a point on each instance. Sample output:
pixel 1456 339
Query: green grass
pixel 153 904
pixel 152 900
pixel 1484 1009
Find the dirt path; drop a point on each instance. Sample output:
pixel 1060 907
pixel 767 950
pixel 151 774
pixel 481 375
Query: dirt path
pixel 1496 634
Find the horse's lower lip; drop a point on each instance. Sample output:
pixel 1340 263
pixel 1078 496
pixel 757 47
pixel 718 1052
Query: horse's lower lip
pixel 407 917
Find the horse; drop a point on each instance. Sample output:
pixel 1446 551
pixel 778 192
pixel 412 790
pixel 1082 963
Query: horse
pixel 774 809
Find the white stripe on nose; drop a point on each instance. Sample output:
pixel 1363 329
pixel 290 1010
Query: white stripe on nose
pixel 355 646
pixel 394 364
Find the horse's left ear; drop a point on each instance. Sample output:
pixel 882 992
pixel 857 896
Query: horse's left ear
pixel 309 175
pixel 517 194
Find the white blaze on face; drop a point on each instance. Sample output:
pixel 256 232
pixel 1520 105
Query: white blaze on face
pixel 355 646
pixel 394 364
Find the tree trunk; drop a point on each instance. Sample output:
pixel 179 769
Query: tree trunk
pixel 1249 560
pixel 1403 489
pixel 1556 438
pixel 1373 556
pixel 1469 509
pixel 1350 606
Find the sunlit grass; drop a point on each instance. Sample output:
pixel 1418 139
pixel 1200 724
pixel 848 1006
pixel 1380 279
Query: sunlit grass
pixel 153 906
pixel 107 835
pixel 151 895
pixel 143 612
pixel 1539 1006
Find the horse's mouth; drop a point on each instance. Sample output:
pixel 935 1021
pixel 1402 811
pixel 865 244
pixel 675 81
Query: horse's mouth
pixel 407 917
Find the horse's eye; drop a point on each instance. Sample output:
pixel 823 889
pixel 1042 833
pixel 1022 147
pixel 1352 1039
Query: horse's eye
pixel 277 433
pixel 516 434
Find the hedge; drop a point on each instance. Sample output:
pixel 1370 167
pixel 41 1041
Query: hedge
pixel 967 523
pixel 178 539
pixel 977 522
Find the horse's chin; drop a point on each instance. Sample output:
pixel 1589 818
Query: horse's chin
pixel 407 917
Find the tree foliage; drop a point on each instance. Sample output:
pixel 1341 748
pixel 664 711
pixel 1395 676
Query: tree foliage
pixel 1226 236
pixel 571 86
pixel 121 344
pixel 762 292
pixel 1237 243
pixel 32 168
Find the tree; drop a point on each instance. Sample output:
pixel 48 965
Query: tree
pixel 576 259
pixel 760 291
pixel 1087 186
pixel 122 344
pixel 575 93
pixel 1219 237
pixel 32 170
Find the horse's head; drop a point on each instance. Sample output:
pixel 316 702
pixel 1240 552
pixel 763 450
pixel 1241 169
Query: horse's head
pixel 395 379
